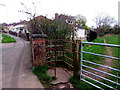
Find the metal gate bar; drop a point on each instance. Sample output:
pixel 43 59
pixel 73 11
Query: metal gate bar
pixel 81 65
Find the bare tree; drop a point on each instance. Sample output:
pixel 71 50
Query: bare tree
pixel 54 29
pixel 33 22
pixel 103 23
pixel 102 19
pixel 31 16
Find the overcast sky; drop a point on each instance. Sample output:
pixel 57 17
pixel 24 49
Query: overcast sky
pixel 88 8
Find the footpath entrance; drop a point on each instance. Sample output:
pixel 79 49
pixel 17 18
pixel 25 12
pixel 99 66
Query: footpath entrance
pixel 70 55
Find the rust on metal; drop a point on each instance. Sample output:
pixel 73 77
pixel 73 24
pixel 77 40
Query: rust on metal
pixel 69 58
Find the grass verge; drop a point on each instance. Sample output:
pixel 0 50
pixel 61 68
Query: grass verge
pixel 7 39
pixel 41 73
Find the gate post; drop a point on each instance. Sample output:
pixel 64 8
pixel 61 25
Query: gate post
pixel 80 59
pixel 39 49
pixel 76 57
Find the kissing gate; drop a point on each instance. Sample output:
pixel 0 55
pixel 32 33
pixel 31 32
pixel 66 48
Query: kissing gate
pixel 71 55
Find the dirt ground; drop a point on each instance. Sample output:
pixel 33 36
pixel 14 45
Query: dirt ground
pixel 62 80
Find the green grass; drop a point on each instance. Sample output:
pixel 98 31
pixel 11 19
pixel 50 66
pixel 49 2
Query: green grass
pixel 115 52
pixel 100 85
pixel 97 59
pixel 7 39
pixel 114 39
pixel 89 57
pixel 41 73
pixel 80 84
pixel 94 49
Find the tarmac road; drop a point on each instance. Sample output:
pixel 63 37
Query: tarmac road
pixel 16 66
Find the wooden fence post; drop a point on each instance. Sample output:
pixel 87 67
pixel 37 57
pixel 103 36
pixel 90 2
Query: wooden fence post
pixel 63 50
pixel 76 57
pixel 81 56
pixel 55 57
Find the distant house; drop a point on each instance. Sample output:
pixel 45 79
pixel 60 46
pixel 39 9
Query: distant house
pixel 65 18
pixel 19 26
pixel 80 33
pixel 5 26
pixel 11 27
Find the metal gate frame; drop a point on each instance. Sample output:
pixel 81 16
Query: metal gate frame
pixel 81 65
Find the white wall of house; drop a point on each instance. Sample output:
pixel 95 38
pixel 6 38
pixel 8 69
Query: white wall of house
pixel 17 29
pixel 17 26
pixel 80 33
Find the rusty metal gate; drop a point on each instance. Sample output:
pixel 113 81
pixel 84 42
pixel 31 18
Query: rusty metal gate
pixel 51 51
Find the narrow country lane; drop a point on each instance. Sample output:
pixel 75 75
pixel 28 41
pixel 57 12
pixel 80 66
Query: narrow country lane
pixel 16 66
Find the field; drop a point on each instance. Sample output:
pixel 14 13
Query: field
pixel 115 39
pixel 112 39
pixel 94 49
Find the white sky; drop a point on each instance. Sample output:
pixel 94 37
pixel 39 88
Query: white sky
pixel 88 8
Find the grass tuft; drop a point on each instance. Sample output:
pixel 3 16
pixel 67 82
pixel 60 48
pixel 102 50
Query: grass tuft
pixel 41 73
pixel 80 84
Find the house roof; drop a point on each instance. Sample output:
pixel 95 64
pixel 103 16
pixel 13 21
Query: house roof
pixel 63 17
pixel 19 23
pixel 79 27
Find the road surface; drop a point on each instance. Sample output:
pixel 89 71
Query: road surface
pixel 16 66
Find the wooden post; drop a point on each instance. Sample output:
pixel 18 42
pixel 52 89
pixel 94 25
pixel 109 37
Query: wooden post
pixel 76 57
pixel 77 49
pixel 78 52
pixel 63 49
pixel 55 57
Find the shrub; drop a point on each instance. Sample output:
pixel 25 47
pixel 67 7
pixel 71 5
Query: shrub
pixel 41 72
